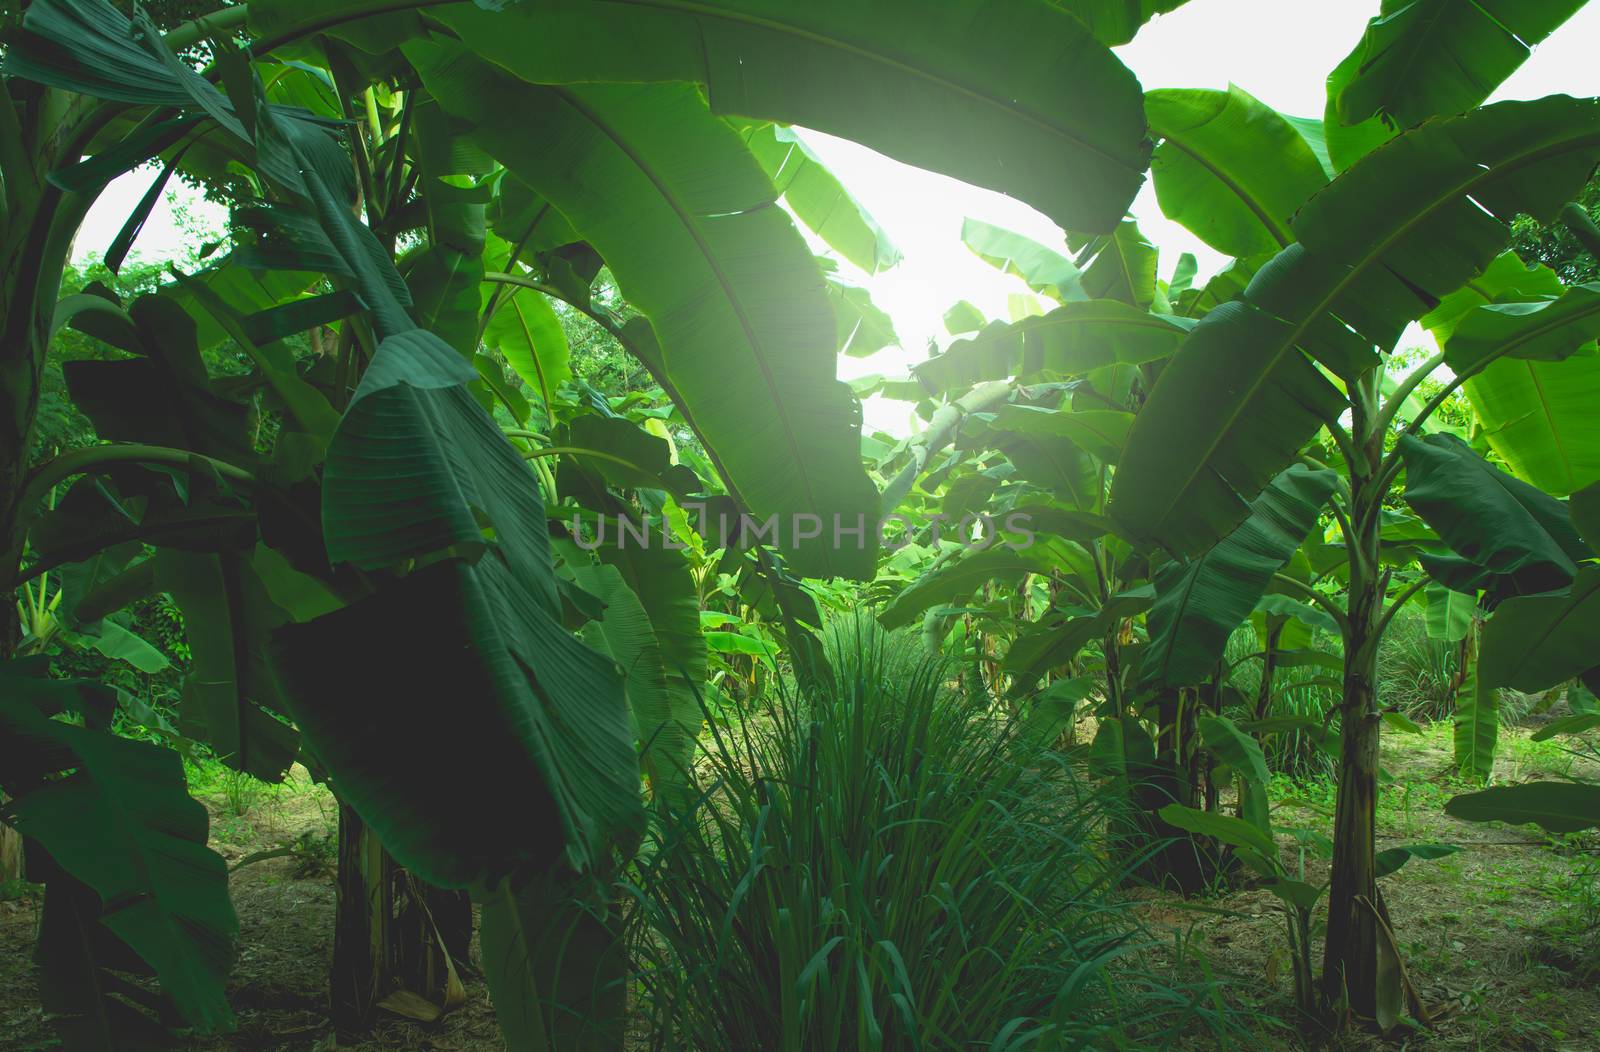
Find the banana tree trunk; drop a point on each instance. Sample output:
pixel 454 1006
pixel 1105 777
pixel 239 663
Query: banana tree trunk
pixel 1350 958
pixel 396 940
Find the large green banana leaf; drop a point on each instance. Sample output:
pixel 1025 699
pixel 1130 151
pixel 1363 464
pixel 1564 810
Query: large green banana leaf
pixel 1536 401
pixel 1477 724
pixel 818 198
pixel 1229 168
pixel 1069 341
pixel 116 814
pixel 1532 410
pixel 414 470
pixel 1539 416
pixel 1542 329
pixel 1199 603
pixel 1533 642
pixel 1043 268
pixel 1560 807
pixel 527 332
pixel 1447 613
pixel 1427 58
pixel 227 616
pixel 536 717
pixel 1520 537
pixel 1408 224
pixel 672 200
pixel 965 574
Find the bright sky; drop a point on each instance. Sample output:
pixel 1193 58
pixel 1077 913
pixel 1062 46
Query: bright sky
pixel 1278 50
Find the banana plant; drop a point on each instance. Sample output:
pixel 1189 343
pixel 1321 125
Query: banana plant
pixel 1252 839
pixel 1297 353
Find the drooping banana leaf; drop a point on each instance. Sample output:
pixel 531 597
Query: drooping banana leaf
pixel 120 820
pixel 1518 535
pixel 746 334
pixel 1242 753
pixel 1200 602
pixel 1537 641
pixel 228 691
pixel 1015 95
pixel 818 198
pixel 1448 613
pixel 1043 268
pixel 1477 724
pixel 1538 417
pixel 535 716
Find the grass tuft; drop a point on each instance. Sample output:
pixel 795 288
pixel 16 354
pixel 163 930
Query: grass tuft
pixel 884 864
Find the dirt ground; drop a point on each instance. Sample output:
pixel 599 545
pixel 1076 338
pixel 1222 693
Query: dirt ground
pixel 1498 938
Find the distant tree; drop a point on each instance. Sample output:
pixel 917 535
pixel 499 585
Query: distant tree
pixel 1555 246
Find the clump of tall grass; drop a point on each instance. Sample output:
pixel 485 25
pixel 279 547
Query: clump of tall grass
pixel 1296 691
pixel 884 863
pixel 1416 674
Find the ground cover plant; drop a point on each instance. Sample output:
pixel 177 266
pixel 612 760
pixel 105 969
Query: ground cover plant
pixel 496 453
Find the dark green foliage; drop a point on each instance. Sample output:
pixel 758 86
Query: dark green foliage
pixel 116 816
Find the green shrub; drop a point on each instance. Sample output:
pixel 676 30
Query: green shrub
pixel 885 864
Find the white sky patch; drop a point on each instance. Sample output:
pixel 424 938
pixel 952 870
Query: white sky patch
pixel 176 230
pixel 1278 50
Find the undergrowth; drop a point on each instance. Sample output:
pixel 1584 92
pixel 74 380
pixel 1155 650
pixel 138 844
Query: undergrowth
pixel 882 863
